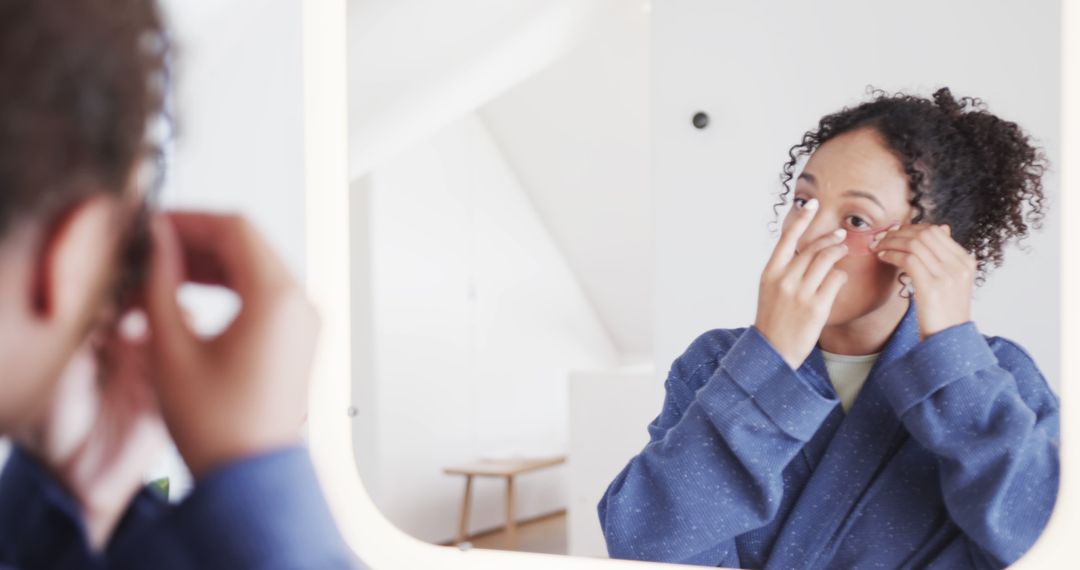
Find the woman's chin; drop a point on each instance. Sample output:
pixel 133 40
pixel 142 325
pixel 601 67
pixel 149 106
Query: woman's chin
pixel 851 304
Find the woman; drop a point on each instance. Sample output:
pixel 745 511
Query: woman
pixel 862 421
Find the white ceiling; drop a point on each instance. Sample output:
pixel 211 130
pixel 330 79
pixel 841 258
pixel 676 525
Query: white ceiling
pixel 563 86
pixel 416 65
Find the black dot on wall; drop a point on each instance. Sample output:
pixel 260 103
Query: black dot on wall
pixel 700 120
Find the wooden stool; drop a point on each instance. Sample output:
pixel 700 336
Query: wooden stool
pixel 505 468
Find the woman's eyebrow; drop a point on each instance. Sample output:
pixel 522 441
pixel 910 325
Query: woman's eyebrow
pixel 867 195
pixel 856 193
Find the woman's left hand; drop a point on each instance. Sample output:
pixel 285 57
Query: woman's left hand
pixel 102 433
pixel 942 273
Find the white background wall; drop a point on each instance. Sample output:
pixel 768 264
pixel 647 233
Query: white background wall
pixel 604 433
pixel 766 72
pixel 476 321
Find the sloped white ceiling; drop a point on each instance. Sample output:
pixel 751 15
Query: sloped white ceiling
pixel 417 65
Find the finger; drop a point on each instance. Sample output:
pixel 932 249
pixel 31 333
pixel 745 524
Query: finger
pixel 798 266
pixel 831 285
pixel 126 363
pixel 823 263
pixel 789 238
pixel 907 230
pixel 950 250
pixel 920 245
pixel 910 264
pixel 882 234
pixel 226 250
pixel 170 335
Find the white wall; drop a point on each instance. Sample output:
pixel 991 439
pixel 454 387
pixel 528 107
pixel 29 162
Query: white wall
pixel 240 116
pixel 477 320
pixel 766 72
pixel 604 434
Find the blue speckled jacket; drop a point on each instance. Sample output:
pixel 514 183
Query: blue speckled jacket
pixel 265 512
pixel 947 459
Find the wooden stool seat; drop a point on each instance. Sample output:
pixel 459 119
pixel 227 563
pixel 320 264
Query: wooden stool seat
pixel 505 468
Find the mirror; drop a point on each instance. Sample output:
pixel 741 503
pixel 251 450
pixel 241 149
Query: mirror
pixel 555 199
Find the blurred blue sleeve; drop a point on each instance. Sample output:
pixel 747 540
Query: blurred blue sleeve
pixel 263 512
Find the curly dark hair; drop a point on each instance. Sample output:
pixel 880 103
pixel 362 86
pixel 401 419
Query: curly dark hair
pixel 80 81
pixel 966 167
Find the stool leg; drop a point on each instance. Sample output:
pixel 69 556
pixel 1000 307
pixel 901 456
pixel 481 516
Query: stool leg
pixel 511 520
pixel 463 524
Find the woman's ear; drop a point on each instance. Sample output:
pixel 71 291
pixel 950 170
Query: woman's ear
pixel 76 260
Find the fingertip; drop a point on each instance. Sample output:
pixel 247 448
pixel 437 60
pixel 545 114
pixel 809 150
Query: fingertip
pixel 133 326
pixel 811 205
pixel 164 273
pixel 163 235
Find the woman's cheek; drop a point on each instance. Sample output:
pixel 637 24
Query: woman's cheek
pixel 868 284
pixel 859 265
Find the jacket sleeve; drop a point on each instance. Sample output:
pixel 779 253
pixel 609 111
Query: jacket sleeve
pixel 992 421
pixel 264 512
pixel 713 466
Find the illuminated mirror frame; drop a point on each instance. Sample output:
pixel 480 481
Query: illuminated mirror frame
pixel 382 545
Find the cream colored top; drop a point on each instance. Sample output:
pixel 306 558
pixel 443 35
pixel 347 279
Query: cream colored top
pixel 847 374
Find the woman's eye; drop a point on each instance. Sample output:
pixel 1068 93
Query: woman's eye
pixel 858 223
pixel 799 202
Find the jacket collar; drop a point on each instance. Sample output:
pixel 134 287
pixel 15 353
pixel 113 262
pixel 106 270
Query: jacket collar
pixel 904 338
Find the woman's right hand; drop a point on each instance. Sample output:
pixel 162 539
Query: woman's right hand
pixel 244 391
pixel 798 287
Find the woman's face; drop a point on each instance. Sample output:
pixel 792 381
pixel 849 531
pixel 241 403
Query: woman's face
pixel 861 187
